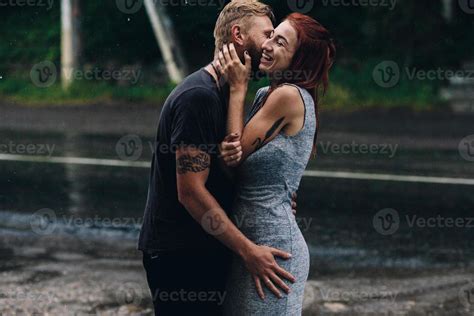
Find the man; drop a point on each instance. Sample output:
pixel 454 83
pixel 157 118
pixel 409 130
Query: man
pixel 186 234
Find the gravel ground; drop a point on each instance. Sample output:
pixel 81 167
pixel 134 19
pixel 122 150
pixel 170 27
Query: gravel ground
pixel 63 275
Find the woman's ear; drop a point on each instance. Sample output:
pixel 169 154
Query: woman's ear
pixel 237 37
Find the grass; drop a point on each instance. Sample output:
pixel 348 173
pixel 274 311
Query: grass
pixel 356 89
pixel 350 89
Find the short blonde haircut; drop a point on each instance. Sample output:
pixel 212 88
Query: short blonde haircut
pixel 238 11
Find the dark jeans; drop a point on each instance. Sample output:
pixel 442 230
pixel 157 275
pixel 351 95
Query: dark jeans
pixel 187 282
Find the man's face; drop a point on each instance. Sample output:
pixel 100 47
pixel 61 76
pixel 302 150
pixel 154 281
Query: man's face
pixel 259 29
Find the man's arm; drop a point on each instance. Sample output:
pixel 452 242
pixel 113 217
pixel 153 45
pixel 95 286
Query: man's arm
pixel 192 171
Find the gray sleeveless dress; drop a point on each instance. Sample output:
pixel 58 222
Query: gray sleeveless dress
pixel 262 211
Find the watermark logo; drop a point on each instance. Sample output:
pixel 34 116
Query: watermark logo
pixel 129 147
pixel 129 293
pixel 125 75
pixel 43 222
pixel 466 148
pixel 301 6
pixel 386 221
pixel 388 150
pixel 361 3
pixel 29 149
pixel 183 295
pixel 28 295
pixel 386 74
pixel 439 222
pixel 304 223
pixel 129 6
pixel 351 295
pixel 30 3
pixel 213 223
pixel 466 295
pixel 192 3
pixel 467 6
pixel 44 74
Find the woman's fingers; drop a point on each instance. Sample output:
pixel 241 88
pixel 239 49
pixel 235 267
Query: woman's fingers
pixel 231 153
pixel 280 253
pixel 248 61
pixel 235 157
pixel 285 274
pixel 232 137
pixel 234 151
pixel 279 282
pixel 233 52
pixel 226 53
pixel 221 58
pixel 258 286
pixel 230 146
pixel 218 65
pixel 269 284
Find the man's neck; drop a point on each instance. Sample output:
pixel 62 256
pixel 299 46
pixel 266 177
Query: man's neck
pixel 217 77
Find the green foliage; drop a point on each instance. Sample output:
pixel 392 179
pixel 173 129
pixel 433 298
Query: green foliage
pixel 413 33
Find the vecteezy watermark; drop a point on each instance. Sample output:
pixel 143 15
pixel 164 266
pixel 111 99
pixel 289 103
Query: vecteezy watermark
pixel 129 147
pixel 390 4
pixel 133 6
pixel 304 223
pixel 129 6
pixel 351 295
pixel 219 4
pixel 29 149
pixel 301 6
pixel 466 295
pixel 27 3
pixel 20 295
pixel 466 148
pixel 97 74
pixel 387 74
pixel 43 221
pixel 386 221
pixel 47 221
pixel 44 74
pixel 190 296
pixel 467 6
pixel 213 223
pixel 129 293
pixel 97 221
pixel 389 150
pixel 439 222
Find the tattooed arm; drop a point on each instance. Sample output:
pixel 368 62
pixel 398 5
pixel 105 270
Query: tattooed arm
pixel 192 171
pixel 283 111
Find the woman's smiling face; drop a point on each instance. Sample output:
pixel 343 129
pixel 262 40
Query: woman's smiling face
pixel 279 49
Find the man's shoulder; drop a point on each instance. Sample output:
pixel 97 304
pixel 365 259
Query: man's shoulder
pixel 196 86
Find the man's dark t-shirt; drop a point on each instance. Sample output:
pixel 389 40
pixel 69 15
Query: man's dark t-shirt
pixel 194 114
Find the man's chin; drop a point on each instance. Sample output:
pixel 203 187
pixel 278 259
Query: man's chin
pixel 258 74
pixel 256 65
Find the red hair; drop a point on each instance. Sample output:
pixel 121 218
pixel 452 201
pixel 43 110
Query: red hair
pixel 312 60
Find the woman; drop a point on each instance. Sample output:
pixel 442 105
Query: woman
pixel 274 149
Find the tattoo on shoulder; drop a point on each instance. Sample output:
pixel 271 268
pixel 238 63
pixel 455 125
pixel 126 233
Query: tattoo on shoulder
pixel 259 142
pixel 188 163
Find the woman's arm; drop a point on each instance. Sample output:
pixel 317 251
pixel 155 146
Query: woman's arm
pixel 283 108
pixel 237 76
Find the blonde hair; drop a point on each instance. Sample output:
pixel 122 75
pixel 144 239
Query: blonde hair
pixel 238 11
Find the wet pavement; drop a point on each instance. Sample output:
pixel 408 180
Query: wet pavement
pixel 359 231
